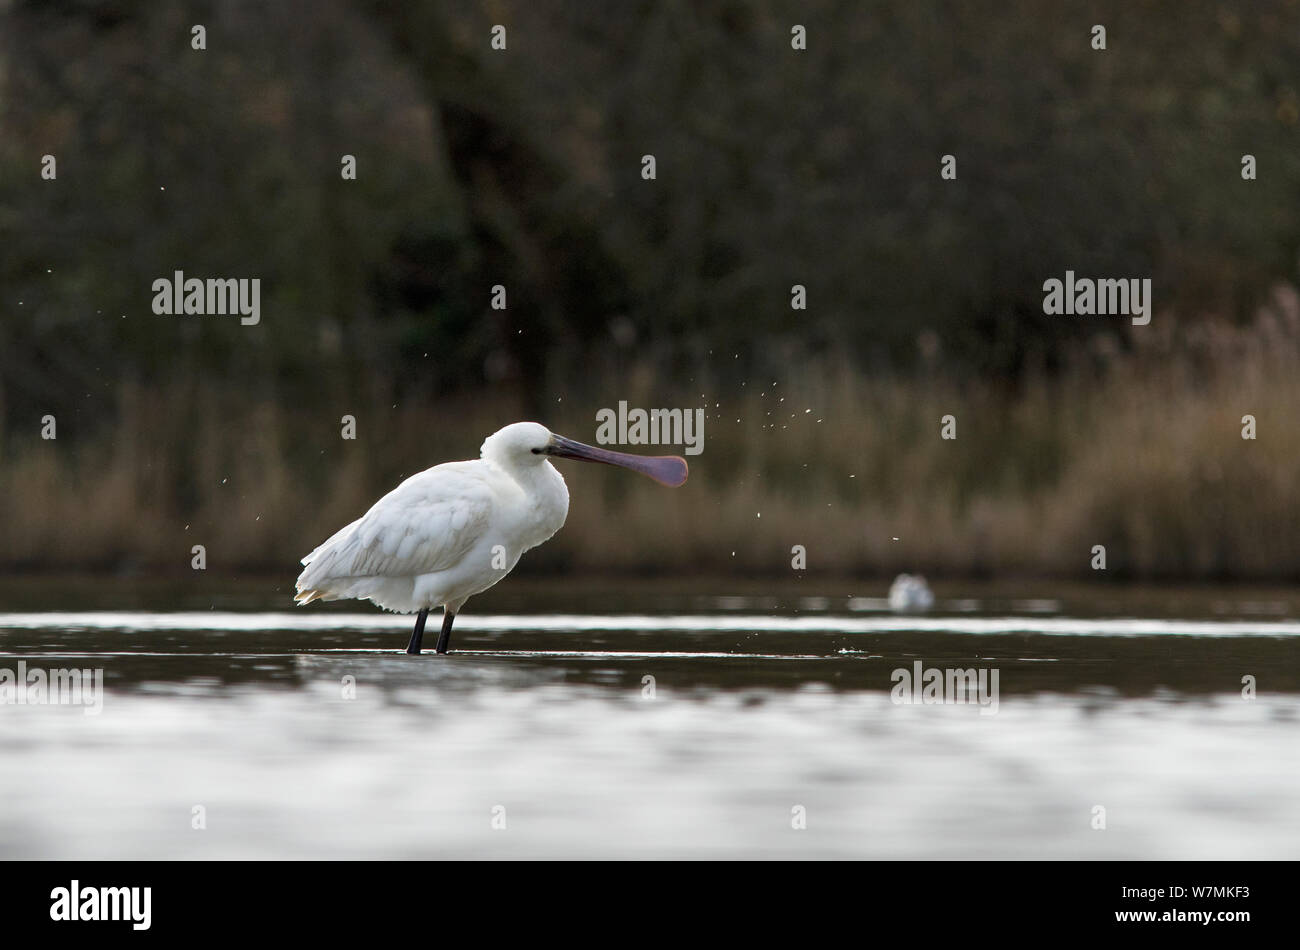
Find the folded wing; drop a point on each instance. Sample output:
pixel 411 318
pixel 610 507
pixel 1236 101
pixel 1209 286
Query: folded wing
pixel 426 524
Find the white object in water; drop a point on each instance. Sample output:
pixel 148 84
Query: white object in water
pixel 910 592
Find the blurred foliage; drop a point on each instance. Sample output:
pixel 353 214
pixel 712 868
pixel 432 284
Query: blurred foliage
pixel 522 167
pixel 480 167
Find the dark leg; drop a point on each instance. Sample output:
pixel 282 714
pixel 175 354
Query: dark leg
pixel 447 619
pixel 418 634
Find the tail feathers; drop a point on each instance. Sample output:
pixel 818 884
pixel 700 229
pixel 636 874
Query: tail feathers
pixel 304 597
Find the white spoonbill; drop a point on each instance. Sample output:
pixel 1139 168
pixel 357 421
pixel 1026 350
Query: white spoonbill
pixel 454 530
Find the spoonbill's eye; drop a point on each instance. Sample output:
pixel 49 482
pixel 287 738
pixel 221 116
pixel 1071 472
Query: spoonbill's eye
pixel 537 451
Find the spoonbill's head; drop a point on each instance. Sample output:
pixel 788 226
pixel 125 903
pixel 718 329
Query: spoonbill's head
pixel 524 444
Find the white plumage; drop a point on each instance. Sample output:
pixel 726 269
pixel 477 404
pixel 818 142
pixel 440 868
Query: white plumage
pixel 454 530
pixel 431 540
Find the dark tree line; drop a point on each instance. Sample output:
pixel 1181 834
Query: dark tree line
pixel 523 168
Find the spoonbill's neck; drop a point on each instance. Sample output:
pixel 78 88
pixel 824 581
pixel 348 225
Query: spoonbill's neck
pixel 543 499
pixel 534 477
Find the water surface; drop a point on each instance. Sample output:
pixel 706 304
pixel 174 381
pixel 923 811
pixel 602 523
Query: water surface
pixel 307 733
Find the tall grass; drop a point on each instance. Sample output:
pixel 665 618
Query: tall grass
pixel 1139 451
